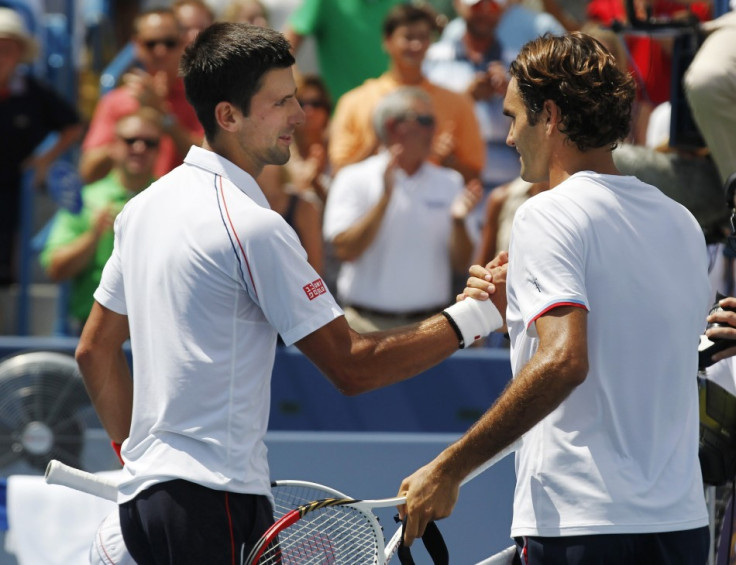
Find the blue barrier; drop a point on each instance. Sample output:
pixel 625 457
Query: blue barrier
pixel 445 399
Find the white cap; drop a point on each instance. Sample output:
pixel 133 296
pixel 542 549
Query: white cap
pixel 474 2
pixel 12 26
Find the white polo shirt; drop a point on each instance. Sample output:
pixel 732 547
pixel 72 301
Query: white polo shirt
pixel 413 239
pixel 620 454
pixel 207 275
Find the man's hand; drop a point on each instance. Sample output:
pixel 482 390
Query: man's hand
pixel 389 174
pixel 725 319
pixel 104 220
pixel 430 495
pixel 488 282
pixel 149 90
pixel 466 200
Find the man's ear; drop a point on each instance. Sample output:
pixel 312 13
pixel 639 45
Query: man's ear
pixel 551 114
pixel 227 116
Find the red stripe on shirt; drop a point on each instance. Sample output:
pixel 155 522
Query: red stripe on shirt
pixel 232 227
pixel 552 307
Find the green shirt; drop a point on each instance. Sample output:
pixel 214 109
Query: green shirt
pixel 67 227
pixel 349 39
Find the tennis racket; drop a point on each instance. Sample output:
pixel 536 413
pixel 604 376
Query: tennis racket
pixel 286 494
pixel 336 531
pixel 503 557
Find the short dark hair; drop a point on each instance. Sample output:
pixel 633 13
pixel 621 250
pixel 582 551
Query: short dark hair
pixel 226 63
pixel 582 77
pixel 405 14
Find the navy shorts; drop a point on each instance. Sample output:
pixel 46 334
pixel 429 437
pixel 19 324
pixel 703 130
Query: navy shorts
pixel 688 547
pixel 178 522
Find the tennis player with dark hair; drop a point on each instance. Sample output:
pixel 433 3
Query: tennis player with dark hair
pixel 202 278
pixel 604 393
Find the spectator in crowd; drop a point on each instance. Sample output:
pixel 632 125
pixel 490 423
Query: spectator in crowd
pixel 710 86
pixel 500 208
pixel 603 399
pixel 158 43
pixel 29 112
pixel 348 39
pixel 472 57
pixel 407 34
pixel 80 244
pixel 394 214
pixel 309 167
pixel 193 16
pixel 246 11
pixel 302 210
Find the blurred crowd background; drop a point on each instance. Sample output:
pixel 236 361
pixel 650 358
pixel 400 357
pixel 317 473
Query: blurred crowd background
pixel 400 169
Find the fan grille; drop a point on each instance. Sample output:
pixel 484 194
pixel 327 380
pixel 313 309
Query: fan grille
pixel 44 410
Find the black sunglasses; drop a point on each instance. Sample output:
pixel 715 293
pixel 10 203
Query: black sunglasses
pixel 148 142
pixel 169 43
pixel 426 120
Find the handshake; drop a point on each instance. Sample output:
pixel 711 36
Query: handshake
pixel 481 308
pixel 719 340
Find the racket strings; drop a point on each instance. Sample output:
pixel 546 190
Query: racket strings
pixel 333 535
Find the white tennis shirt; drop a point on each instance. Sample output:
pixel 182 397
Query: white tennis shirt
pixel 620 454
pixel 414 235
pixel 207 275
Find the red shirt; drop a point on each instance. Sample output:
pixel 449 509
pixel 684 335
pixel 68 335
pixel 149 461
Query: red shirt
pixel 119 102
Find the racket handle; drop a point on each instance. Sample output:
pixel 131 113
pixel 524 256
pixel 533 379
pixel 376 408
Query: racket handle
pixel 57 473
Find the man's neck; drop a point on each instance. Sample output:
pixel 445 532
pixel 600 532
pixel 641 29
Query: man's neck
pixel 598 160
pixel 235 156
pixel 405 75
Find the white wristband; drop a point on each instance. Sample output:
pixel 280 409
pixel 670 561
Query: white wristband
pixel 474 319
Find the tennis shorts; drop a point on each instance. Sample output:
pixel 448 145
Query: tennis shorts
pixel 688 547
pixel 185 523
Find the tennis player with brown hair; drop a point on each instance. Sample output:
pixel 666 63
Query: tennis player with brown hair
pixel 607 289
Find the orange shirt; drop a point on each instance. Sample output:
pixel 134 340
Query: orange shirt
pixel 352 137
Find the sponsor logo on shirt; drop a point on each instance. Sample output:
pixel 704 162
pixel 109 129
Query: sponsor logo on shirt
pixel 536 284
pixel 314 289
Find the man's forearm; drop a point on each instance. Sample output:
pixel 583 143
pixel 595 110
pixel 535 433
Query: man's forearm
pixel 352 243
pixel 70 260
pixel 110 387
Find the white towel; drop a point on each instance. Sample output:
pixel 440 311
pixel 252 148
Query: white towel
pixel 52 524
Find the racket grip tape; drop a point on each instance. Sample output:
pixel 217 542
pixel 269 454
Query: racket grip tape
pixel 473 319
pixel 433 542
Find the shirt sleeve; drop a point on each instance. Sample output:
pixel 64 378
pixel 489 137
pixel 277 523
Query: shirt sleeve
pixel 292 296
pixel 346 203
pixel 546 260
pixel 111 291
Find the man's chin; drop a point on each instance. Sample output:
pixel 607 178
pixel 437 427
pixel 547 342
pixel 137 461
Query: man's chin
pixel 280 157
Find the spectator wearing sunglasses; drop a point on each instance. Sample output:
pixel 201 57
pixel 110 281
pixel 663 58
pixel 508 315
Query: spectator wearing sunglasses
pixel 396 214
pixel 159 43
pixel 79 245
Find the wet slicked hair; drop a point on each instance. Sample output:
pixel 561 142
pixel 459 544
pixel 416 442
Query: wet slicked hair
pixel 582 77
pixel 227 63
